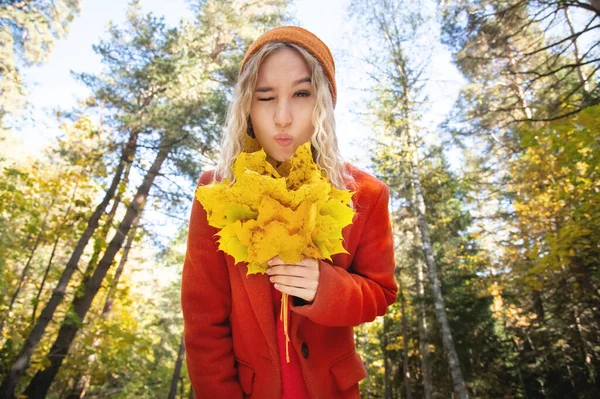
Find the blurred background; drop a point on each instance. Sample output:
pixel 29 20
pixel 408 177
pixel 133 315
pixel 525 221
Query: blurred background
pixel 482 117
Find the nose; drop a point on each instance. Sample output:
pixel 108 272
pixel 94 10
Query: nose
pixel 283 114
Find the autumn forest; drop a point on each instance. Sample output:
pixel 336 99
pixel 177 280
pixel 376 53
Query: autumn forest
pixel 495 210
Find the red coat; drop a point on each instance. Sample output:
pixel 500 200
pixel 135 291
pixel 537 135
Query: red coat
pixel 229 328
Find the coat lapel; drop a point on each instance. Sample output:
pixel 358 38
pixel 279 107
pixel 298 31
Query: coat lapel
pixel 258 288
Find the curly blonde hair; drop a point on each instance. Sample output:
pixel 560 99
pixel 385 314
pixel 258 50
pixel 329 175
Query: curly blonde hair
pixel 324 142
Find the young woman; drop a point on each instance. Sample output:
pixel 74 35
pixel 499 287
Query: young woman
pixel 234 338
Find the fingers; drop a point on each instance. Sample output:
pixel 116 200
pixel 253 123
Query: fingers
pixel 300 280
pixel 309 263
pixel 307 295
pixel 294 282
pixel 288 270
pixel 276 260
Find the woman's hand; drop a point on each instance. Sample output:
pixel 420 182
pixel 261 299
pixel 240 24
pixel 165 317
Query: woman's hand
pixel 300 280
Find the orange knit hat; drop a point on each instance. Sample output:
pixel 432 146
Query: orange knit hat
pixel 304 39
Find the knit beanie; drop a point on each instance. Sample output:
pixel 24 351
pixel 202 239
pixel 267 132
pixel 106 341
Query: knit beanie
pixel 304 39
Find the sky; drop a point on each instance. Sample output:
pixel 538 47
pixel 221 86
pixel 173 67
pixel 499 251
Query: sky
pixel 52 87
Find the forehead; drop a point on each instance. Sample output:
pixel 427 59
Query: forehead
pixel 283 65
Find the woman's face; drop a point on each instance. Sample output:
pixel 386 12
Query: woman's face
pixel 282 104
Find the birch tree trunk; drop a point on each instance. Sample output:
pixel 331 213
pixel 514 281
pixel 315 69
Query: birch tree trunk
pixel 387 382
pixel 405 364
pixel 423 335
pixel 583 81
pixel 440 308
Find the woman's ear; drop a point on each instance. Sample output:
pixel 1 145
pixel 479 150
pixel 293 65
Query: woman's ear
pixel 250 129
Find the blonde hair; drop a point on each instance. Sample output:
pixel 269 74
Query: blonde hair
pixel 324 140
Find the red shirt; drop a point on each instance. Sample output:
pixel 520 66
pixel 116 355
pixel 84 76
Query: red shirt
pixel 293 385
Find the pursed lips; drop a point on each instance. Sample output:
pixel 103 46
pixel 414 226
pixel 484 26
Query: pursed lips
pixel 283 136
pixel 284 140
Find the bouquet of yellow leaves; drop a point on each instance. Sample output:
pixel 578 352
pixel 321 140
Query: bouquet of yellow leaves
pixel 292 211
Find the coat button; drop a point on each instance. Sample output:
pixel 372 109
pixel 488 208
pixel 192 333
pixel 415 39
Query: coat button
pixel 305 350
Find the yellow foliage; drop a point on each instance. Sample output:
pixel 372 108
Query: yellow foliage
pixel 291 211
pixel 556 197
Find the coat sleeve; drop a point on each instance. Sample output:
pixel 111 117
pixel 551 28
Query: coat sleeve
pixel 360 294
pixel 206 305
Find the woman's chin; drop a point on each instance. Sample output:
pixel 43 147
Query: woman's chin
pixel 279 157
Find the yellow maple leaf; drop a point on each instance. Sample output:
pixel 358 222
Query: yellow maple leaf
pixel 256 162
pixel 230 242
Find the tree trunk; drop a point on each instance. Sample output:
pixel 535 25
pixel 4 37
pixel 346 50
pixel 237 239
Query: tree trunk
pixel 103 234
pixel 362 343
pixel 23 277
pixel 22 360
pixel 81 387
pixel 423 335
pixel 422 322
pixel 387 382
pixel 588 296
pixel 440 308
pixel 111 292
pixel 517 86
pixel 538 306
pixel 405 364
pixel 39 385
pixel 83 381
pixel 177 371
pixel 582 79
pixel 588 359
pixel 49 266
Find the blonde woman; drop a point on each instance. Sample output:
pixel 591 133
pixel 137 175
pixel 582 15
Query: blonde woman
pixel 235 344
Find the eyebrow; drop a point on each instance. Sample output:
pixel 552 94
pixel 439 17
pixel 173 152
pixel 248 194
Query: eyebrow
pixel 296 83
